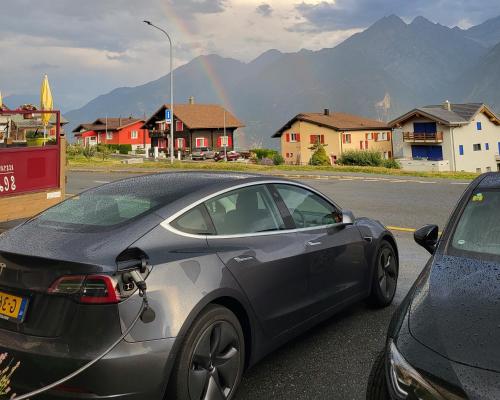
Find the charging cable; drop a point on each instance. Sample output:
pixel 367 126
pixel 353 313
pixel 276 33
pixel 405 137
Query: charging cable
pixel 141 284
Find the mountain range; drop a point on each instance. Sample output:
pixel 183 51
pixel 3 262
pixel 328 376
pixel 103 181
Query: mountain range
pixel 415 63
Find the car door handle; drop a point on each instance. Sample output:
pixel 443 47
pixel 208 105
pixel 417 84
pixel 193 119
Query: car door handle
pixel 242 259
pixel 313 243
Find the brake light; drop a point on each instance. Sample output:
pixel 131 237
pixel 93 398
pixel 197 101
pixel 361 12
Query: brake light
pixel 88 289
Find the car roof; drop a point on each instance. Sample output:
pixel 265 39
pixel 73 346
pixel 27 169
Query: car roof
pixel 490 181
pixel 172 186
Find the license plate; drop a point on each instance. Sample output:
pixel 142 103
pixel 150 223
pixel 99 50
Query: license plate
pixel 12 308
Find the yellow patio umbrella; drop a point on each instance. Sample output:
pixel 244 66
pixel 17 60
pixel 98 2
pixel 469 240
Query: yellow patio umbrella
pixel 46 102
pixel 1 102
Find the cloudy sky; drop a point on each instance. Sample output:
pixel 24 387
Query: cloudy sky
pixel 91 47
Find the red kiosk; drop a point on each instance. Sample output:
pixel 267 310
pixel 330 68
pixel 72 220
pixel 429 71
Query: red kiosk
pixel 32 166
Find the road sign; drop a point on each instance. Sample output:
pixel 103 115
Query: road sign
pixel 168 116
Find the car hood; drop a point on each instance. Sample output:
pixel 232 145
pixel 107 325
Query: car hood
pixel 456 311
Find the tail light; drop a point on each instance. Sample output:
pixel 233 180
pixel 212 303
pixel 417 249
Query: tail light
pixel 88 289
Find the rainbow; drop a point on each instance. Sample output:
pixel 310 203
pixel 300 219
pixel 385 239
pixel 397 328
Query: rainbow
pixel 181 26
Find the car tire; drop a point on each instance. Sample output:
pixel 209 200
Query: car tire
pixel 385 276
pixel 377 384
pixel 212 357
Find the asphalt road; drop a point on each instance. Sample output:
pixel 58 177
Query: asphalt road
pixel 333 360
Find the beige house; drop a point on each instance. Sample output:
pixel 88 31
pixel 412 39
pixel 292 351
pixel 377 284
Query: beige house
pixel 450 137
pixel 337 131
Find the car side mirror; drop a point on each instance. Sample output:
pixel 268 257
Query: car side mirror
pixel 427 237
pixel 347 217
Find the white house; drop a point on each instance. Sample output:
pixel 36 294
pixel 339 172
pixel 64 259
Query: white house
pixel 450 137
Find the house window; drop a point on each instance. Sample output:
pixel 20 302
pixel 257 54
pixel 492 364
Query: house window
pixel 109 135
pixel 382 136
pixel 479 126
pixel 316 139
pixel 486 146
pixel 461 149
pixel 224 141
pixel 180 143
pixel 294 137
pixel 477 147
pixel 346 138
pixel 478 170
pixel 488 169
pixel 201 142
pixel 134 135
pixel 369 136
pixel 179 126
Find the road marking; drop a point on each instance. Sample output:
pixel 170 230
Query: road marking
pixel 460 183
pixel 400 229
pixel 102 181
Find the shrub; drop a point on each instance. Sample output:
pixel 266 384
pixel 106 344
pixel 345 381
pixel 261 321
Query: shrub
pixel 104 151
pixel 278 159
pixel 140 150
pixel 74 149
pixel 319 156
pixel 88 152
pixel 124 148
pixel 266 161
pixel 264 153
pixel 391 163
pixel 365 158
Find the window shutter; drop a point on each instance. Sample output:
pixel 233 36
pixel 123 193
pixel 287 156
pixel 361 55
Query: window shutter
pixel 366 145
pixel 366 136
pixel 229 141
pixel 298 137
pixel 176 144
pixel 287 137
pixel 322 138
pixel 375 136
pixel 389 136
pixel 361 145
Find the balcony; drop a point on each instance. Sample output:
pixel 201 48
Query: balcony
pixel 422 137
pixel 157 133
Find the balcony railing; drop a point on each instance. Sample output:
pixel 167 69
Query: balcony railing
pixel 423 137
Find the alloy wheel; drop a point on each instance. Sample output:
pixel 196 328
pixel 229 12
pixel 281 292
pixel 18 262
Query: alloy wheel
pixel 215 363
pixel 387 272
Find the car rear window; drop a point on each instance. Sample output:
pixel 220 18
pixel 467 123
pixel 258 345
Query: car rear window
pixel 477 234
pixel 91 210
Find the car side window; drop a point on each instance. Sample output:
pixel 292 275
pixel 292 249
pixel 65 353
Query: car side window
pixel 307 208
pixel 194 221
pixel 244 211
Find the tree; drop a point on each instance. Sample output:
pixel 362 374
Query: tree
pixel 319 156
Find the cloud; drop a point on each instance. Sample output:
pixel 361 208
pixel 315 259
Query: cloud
pixel 347 14
pixel 190 7
pixel 44 66
pixel 264 9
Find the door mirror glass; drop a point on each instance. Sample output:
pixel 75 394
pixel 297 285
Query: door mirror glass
pixel 427 237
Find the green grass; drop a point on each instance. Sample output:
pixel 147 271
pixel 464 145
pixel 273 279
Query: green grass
pixel 96 163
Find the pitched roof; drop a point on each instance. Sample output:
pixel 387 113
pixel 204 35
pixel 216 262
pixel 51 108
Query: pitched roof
pixel 336 121
pixel 199 116
pixel 459 114
pixel 22 122
pixel 113 124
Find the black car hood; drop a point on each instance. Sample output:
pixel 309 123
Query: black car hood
pixel 99 247
pixel 456 311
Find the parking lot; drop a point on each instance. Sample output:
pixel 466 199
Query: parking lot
pixel 333 360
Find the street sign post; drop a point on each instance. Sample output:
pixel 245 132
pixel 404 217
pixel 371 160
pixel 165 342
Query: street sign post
pixel 168 117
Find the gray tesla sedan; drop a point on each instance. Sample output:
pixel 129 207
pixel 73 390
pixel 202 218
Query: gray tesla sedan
pixel 235 265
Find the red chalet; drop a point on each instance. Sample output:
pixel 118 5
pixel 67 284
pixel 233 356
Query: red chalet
pixel 114 131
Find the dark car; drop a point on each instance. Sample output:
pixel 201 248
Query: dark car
pixel 235 266
pixel 202 153
pixel 230 156
pixel 444 339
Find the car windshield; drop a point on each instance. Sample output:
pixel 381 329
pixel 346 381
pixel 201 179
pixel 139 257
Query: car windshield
pixel 477 234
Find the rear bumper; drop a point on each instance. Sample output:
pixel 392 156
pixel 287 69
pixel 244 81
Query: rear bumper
pixel 132 371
